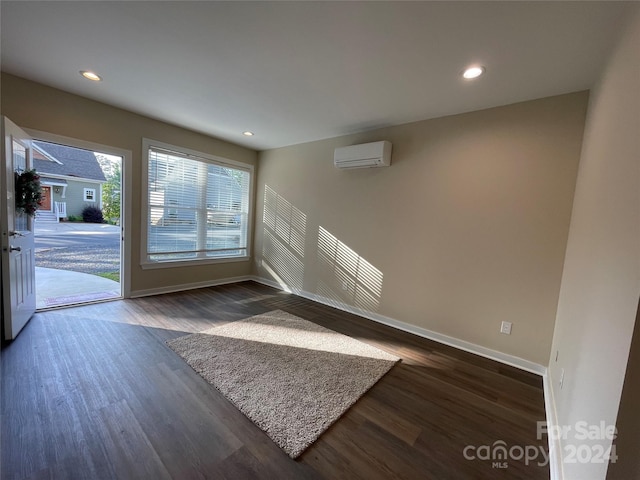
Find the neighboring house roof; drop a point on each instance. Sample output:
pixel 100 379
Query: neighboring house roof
pixel 58 181
pixel 71 162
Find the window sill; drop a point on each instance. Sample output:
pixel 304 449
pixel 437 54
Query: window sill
pixel 192 263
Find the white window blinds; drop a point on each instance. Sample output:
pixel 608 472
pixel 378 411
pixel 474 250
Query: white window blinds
pixel 197 208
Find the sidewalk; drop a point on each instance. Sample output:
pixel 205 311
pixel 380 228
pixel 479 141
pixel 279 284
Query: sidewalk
pixel 63 287
pixel 69 255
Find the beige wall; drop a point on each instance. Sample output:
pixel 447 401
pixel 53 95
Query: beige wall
pixel 467 228
pixel 38 107
pixel 601 279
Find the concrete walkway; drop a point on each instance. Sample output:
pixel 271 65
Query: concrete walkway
pixel 68 254
pixel 63 287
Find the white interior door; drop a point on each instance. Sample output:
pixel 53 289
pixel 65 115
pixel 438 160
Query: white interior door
pixel 18 242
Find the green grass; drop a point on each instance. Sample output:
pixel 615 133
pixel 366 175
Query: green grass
pixel 115 276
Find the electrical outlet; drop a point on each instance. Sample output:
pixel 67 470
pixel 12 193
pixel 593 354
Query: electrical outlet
pixel 561 378
pixel 505 328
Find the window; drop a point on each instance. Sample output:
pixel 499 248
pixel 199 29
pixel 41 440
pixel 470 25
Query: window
pixel 89 194
pixel 197 207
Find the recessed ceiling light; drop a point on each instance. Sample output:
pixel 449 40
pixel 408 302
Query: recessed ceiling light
pixel 90 75
pixel 248 133
pixel 473 72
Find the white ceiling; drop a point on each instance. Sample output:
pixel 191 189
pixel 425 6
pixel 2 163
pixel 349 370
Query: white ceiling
pixel 294 72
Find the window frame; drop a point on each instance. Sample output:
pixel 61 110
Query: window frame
pixel 145 262
pixel 93 194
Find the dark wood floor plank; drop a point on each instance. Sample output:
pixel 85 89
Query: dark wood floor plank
pixel 129 450
pixel 387 419
pixel 93 392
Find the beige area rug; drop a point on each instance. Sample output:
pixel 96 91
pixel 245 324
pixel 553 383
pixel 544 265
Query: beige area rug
pixel 291 377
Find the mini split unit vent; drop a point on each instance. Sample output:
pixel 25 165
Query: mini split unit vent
pixel 366 155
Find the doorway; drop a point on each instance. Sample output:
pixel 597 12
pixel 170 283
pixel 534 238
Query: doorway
pixel 79 228
pixel 45 203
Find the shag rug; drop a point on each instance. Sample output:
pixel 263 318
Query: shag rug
pixel 291 377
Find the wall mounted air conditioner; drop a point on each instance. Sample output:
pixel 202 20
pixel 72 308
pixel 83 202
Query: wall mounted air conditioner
pixel 365 155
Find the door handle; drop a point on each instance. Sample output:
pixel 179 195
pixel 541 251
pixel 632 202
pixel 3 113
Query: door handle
pixel 15 249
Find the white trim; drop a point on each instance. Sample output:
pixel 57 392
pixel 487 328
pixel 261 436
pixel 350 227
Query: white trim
pixel 504 358
pixel 69 178
pixel 555 447
pixel 75 142
pixel 125 197
pixel 189 286
pixel 184 152
pixel 44 180
pixel 501 357
pixel 148 144
pixel 555 458
pixel 191 262
pixel 555 444
pixel 92 191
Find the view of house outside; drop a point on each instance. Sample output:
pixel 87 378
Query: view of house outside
pixel 77 224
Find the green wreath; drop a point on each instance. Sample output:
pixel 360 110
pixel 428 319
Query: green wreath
pixel 28 192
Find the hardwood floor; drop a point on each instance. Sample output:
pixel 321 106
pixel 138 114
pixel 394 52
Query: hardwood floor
pixel 93 392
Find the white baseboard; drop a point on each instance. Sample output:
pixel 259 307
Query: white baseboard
pixel 555 457
pixel 555 445
pixel 501 357
pixel 188 286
